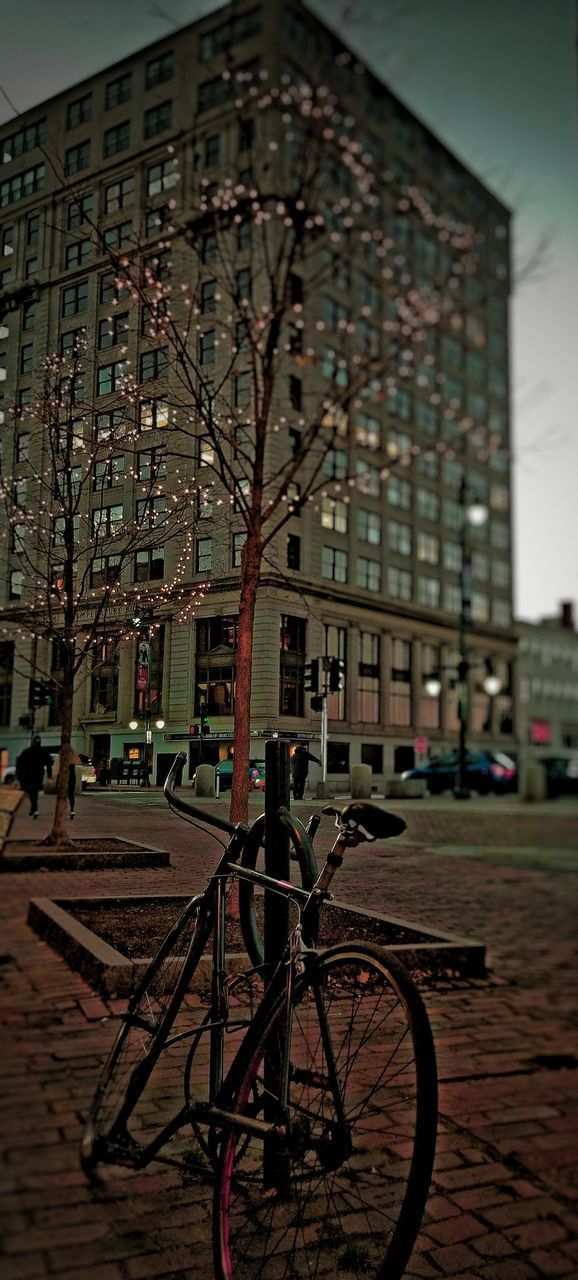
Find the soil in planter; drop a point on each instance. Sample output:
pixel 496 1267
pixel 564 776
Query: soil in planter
pixel 84 844
pixel 137 929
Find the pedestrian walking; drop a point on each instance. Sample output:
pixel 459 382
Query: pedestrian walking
pixel 73 760
pixel 300 769
pixel 30 768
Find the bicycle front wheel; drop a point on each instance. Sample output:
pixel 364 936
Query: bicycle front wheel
pixel 343 1192
pixel 138 1092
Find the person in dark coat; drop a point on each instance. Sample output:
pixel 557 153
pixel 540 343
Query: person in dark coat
pixel 30 767
pixel 300 768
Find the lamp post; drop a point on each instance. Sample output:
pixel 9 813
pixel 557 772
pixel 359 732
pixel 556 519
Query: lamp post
pixel 475 514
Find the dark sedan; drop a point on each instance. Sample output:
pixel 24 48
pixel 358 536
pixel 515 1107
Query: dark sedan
pixel 485 771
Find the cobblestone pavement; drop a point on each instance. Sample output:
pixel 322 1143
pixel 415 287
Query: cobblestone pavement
pixel 504 1201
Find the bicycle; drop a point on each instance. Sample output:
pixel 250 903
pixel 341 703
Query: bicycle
pixel 319 1131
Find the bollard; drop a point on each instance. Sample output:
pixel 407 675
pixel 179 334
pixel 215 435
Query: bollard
pixel 205 780
pixel 533 786
pixel 361 777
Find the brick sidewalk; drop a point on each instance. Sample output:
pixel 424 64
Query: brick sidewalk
pixel 504 1200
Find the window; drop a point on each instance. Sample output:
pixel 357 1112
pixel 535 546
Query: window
pixel 452 598
pixel 499 535
pixel 244 235
pixel 239 540
pixel 399 583
pixel 501 613
pixel 27 357
pixel 32 229
pixel 368 431
pixel 77 158
pixel 151 464
pixel 368 692
pixel 243 386
pixel 292 654
pixel 209 248
pixel 110 287
pixel 293 551
pixel 162 176
pixel 213 93
pixel 500 573
pixel 499 497
pixel 79 211
pixel 452 514
pixel 31 267
pixel 119 195
pixel 428 548
pixel 104 570
pixel 207 347
pixel 159 69
pixel 428 592
pixel 368 481
pixel 212 150
pixel 399 493
pixel 400 683
pixel 116 139
pixel 334 564
pixel 215 668
pixel 22 185
pixel 427 418
pixel 208 295
pixel 29 316
pixel 453 557
pixel 77 253
pixel 334 514
pixel 33 135
pixel 400 403
pixel 107 521
pixel 110 425
pixel 119 237
pixel 428 504
pixel 79 112
pixel 104 681
pixel 399 537
pixel 228 33
pixel 368 574
pixel 149 564
pixel 480 607
pixel 118 91
pixel 113 331
pixel 154 364
pixel 204 555
pixel 22 446
pixel 335 464
pixel 480 566
pixel 149 510
pixel 74 298
pixel 109 377
pixel 369 527
pixel 157 119
pixel 153 415
pixel 16 584
pixel 108 473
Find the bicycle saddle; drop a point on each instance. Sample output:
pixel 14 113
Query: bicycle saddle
pixel 374 822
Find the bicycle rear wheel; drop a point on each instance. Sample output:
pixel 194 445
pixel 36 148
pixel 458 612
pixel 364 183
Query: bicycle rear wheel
pixel 132 1101
pixel 343 1194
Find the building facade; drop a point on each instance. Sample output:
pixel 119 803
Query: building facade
pixel 372 574
pixel 547 674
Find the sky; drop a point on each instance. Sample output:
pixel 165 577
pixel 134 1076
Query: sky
pixel 496 81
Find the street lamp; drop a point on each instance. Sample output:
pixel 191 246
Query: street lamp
pixel 472 513
pixel 133 724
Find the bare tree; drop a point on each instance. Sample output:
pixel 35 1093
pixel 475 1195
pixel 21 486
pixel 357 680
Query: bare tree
pixel 75 535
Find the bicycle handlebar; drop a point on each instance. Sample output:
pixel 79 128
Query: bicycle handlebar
pixel 176 802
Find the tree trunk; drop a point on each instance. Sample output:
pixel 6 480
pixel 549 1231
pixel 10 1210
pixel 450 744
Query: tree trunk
pixel 250 576
pixel 58 837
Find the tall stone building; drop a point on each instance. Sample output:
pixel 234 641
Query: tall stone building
pixel 372 576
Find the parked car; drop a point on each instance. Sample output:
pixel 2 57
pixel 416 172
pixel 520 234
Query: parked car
pixel 224 772
pixel 86 772
pixel 485 771
pixel 561 775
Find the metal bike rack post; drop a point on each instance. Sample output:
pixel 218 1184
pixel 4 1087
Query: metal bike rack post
pixel 277 774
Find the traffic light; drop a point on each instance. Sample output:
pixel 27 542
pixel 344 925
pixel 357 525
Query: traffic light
pixel 205 723
pixel 312 676
pixel 336 675
pixel 317 703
